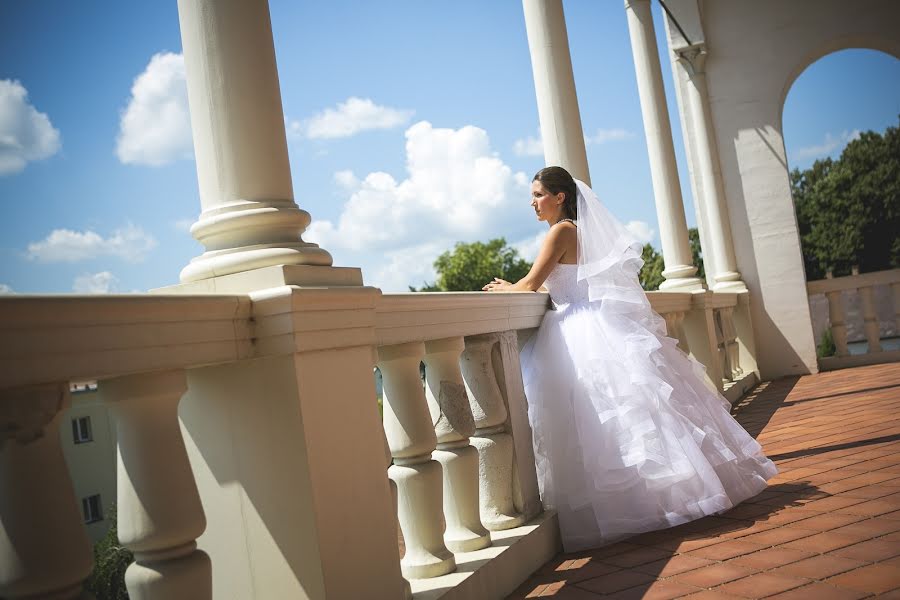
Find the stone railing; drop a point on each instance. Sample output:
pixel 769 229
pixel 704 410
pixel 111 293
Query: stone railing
pixel 249 438
pixel 715 328
pixel 864 285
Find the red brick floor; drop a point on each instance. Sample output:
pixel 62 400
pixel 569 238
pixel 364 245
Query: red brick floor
pixel 827 527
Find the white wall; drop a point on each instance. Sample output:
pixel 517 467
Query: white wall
pixel 756 51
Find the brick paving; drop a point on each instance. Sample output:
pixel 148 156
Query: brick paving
pixel 827 527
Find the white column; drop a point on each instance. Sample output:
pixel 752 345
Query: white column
pixel 158 507
pixel 494 443
pixel 727 278
pixel 454 424
pixel 44 549
pixel 673 231
pixel 249 217
pixel 554 84
pixel 411 437
pixel 870 319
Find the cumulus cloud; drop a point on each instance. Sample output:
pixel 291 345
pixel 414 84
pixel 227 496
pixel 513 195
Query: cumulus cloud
pixel 5 289
pixel 155 127
pixel 603 136
pixel 25 133
pixel 349 118
pixel 529 146
pixel 456 189
pixel 96 283
pixel 641 230
pixel 829 146
pixel 130 243
pixel 528 248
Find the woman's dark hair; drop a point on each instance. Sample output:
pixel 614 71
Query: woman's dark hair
pixel 557 179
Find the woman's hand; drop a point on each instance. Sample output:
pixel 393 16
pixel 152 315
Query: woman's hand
pixel 497 285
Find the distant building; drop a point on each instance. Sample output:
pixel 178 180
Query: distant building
pixel 89 444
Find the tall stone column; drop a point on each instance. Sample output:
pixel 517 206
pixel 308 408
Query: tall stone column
pixel 673 233
pixel 249 219
pixel 554 85
pixel 726 277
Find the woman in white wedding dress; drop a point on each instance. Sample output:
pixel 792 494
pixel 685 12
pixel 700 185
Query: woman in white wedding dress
pixel 627 436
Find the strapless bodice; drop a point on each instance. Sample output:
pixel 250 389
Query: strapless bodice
pixel 563 285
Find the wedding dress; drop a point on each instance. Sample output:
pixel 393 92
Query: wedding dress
pixel 627 436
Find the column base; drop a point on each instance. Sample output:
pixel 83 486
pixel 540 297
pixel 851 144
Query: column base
pixel 682 284
pixel 226 262
pixel 269 277
pixel 730 286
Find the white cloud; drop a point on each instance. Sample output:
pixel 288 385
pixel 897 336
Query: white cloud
pixel 346 180
pixel 603 136
pixel 184 225
pixel 5 289
pixel 829 146
pixel 130 243
pixel 349 118
pixel 155 127
pixel 25 133
pixel 530 146
pixel 456 189
pixel 641 230
pixel 528 248
pixel 97 283
pixel 534 146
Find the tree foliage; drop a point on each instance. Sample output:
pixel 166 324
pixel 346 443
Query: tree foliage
pixel 848 210
pixel 111 559
pixel 651 275
pixel 469 266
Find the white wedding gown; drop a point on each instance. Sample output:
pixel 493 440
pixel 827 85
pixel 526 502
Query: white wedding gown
pixel 627 437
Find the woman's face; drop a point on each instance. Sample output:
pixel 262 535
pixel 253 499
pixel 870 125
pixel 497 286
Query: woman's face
pixel 547 206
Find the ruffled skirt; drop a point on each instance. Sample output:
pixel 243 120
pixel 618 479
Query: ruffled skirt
pixel 628 437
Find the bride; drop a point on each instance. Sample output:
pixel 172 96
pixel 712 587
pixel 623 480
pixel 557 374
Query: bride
pixel 627 436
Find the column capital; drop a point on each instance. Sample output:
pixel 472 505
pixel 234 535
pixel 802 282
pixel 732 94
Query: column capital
pixel 693 58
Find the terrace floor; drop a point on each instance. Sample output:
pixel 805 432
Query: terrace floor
pixel 828 526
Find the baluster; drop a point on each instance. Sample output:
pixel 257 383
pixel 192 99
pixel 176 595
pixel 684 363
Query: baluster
pixel 447 399
pixel 675 329
pixel 870 318
pixel 411 438
pixel 407 590
pixel 494 444
pixel 722 346
pixel 44 548
pixel 838 327
pixel 159 511
pixel 732 351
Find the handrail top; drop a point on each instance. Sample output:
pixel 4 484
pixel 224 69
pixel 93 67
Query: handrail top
pixel 853 282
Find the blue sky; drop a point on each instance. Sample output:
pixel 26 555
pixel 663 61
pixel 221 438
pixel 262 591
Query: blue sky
pixel 384 103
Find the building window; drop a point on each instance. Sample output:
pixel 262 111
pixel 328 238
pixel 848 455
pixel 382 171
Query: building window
pixel 81 430
pixel 92 509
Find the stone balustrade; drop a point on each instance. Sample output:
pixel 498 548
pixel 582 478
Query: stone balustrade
pixel 834 290
pixel 248 436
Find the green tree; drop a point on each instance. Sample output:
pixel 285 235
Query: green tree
pixel 469 266
pixel 696 251
pixel 650 275
pixel 848 210
pixel 107 580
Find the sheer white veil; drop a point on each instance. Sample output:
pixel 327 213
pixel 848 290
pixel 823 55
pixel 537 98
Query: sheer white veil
pixel 609 257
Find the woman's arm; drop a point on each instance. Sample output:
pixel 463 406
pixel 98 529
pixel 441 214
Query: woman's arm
pixel 553 248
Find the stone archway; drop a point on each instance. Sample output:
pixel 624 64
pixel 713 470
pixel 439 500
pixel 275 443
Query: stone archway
pixel 756 50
